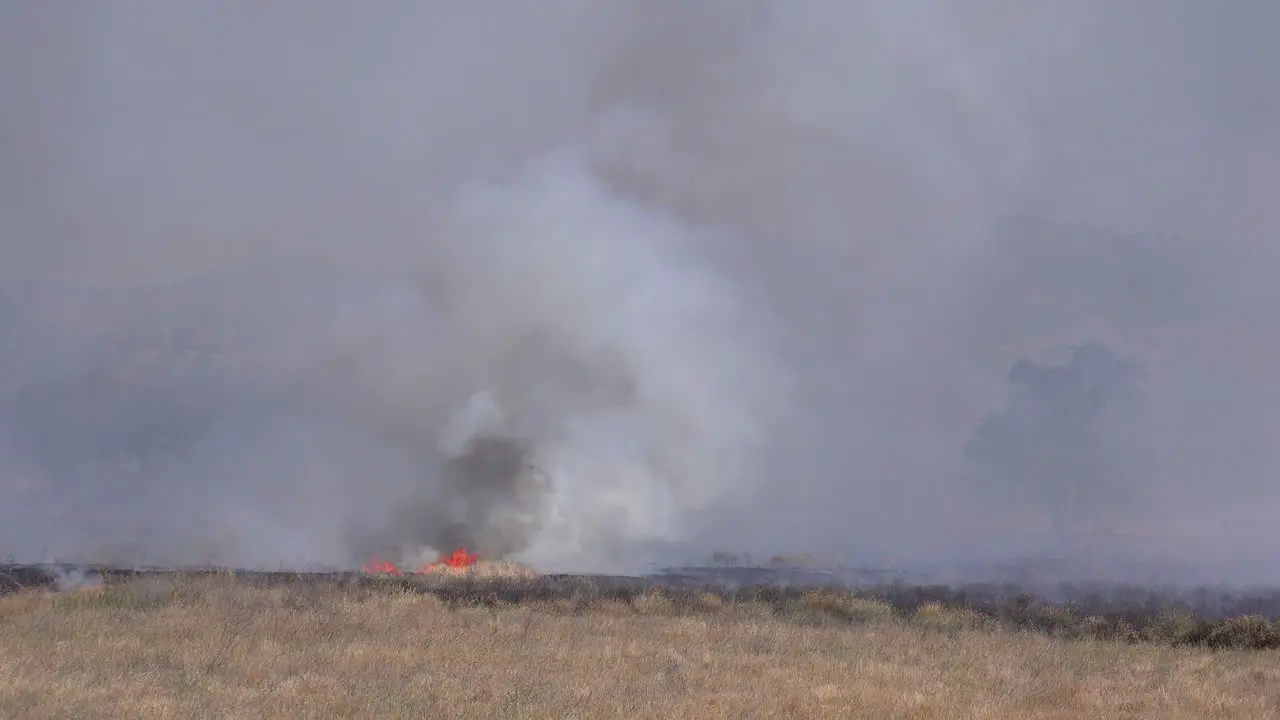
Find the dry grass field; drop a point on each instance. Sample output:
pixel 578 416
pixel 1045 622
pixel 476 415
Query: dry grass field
pixel 219 648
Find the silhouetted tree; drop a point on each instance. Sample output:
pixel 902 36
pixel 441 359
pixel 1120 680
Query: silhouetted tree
pixel 1045 450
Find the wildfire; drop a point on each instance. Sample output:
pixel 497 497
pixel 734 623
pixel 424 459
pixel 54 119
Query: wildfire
pixel 457 559
pixel 379 567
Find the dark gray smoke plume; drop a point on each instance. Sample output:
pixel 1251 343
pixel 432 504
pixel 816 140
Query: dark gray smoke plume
pixel 593 283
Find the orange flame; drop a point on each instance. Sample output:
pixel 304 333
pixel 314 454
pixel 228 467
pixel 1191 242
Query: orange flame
pixel 381 567
pixel 457 559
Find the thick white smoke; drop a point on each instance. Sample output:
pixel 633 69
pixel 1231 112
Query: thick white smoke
pixel 571 279
pixel 585 323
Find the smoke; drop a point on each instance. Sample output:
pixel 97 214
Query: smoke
pixel 592 379
pixel 589 283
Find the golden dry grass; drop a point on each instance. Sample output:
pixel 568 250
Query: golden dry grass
pixel 217 649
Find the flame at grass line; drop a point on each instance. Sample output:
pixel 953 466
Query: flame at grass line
pixel 458 559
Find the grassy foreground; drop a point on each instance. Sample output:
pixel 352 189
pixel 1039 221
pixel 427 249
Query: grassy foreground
pixel 217 648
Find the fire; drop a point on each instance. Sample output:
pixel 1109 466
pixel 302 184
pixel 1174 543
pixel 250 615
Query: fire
pixel 381 567
pixel 457 559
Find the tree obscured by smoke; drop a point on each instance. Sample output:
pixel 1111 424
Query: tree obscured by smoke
pixel 1047 450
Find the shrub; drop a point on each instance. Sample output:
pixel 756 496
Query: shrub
pixel 936 616
pixel 1247 632
pixel 846 606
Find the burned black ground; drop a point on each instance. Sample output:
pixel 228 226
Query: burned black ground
pixel 1207 616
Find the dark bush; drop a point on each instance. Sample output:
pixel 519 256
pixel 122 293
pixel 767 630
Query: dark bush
pixel 1247 632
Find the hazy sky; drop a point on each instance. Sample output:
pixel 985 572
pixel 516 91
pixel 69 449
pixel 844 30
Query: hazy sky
pixel 771 221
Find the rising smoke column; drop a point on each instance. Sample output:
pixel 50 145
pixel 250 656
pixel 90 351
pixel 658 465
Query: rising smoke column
pixel 588 382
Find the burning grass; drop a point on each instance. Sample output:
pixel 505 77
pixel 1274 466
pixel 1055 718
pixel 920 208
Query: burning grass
pixel 457 564
pixel 459 559
pixel 438 646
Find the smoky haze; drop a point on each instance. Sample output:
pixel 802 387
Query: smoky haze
pixel 596 283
